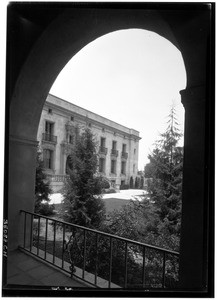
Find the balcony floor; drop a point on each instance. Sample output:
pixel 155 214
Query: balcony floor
pixel 24 269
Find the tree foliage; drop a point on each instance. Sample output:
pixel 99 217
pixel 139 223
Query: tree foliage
pixel 165 178
pixel 84 187
pixel 156 219
pixel 42 189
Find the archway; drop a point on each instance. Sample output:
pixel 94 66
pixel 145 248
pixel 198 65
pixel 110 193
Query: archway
pixel 53 43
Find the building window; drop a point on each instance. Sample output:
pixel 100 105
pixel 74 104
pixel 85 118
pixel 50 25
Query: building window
pixel 48 135
pixel 124 148
pixel 90 125
pixel 49 128
pixel 124 153
pixel 102 148
pixel 48 158
pixel 113 183
pixel 134 150
pixel 114 150
pixel 102 142
pixel 49 110
pixel 102 165
pixel 113 166
pixel 123 167
pixel 72 118
pixel 134 168
pixel 114 145
pixel 71 139
pixel 103 129
pixel 122 183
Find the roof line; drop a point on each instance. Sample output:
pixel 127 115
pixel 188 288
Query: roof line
pixel 91 112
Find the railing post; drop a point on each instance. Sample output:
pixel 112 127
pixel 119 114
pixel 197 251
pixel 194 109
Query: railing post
pixel 63 245
pixel 39 219
pixel 110 263
pixel 164 270
pixel 96 259
pixel 54 242
pixel 84 254
pixel 31 236
pixel 24 239
pixel 45 247
pixel 143 268
pixel 125 280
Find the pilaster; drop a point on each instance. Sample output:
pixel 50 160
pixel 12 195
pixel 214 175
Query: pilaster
pixel 194 229
pixel 21 191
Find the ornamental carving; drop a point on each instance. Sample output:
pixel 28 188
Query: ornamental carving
pixel 67 148
pixel 70 128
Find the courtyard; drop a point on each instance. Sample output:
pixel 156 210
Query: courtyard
pixel 113 201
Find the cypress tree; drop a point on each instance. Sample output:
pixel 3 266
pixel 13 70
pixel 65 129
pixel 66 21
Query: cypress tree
pixel 84 187
pixel 165 171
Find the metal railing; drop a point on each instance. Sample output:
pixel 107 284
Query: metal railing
pixel 57 178
pixel 103 150
pixel 97 257
pixel 124 155
pixel 114 152
pixel 49 137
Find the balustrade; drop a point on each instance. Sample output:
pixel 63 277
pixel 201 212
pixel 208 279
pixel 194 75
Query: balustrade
pixel 49 137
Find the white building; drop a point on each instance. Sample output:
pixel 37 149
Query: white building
pixel 118 145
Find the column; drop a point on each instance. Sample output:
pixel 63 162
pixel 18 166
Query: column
pixel 21 186
pixel 194 206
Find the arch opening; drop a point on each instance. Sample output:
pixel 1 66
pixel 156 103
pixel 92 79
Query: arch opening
pixel 58 43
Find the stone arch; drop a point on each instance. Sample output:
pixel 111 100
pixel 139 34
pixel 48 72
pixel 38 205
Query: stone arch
pixel 54 40
pixel 65 36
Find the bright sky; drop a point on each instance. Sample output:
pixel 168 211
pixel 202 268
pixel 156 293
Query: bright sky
pixel 129 76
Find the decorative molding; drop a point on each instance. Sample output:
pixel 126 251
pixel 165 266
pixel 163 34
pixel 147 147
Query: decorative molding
pixel 193 95
pixel 23 141
pixel 48 145
pixel 67 148
pixel 95 123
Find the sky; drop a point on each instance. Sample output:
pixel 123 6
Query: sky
pixel 132 77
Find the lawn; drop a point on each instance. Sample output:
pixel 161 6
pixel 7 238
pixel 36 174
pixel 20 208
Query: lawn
pixel 110 205
pixel 114 204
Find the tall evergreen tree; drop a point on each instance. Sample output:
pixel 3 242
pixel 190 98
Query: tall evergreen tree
pixel 165 171
pixel 84 187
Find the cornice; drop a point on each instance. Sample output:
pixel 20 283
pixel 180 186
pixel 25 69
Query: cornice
pixel 97 124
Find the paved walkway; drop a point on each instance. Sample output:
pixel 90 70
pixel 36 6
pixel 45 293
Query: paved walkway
pixel 122 194
pixel 23 269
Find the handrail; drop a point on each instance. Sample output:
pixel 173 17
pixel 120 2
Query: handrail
pixel 103 150
pixel 139 257
pixel 57 177
pixel 107 234
pixel 124 154
pixel 49 137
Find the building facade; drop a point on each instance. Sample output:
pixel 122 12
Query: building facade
pixel 118 146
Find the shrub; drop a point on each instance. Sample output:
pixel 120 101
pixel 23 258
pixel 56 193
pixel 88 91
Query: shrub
pixel 124 187
pixel 46 209
pixel 110 191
